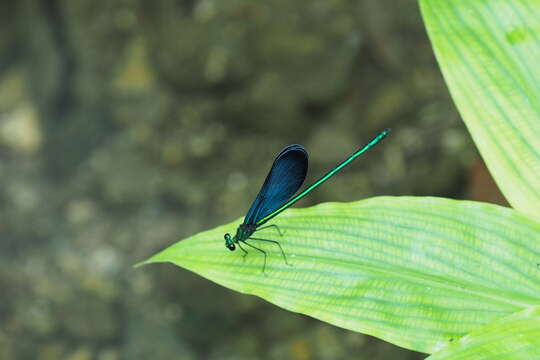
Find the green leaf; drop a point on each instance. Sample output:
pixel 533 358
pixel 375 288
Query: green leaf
pixel 489 53
pixel 418 272
pixel 515 337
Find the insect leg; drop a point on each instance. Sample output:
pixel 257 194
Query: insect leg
pixel 264 253
pixel 272 226
pixel 275 242
pixel 244 250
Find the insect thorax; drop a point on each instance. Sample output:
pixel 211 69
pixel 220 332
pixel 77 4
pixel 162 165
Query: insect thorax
pixel 244 231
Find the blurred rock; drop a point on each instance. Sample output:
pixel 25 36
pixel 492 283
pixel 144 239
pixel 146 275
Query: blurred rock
pixel 90 318
pixel 135 75
pixel 20 130
pixel 109 354
pixel 52 351
pixel 82 353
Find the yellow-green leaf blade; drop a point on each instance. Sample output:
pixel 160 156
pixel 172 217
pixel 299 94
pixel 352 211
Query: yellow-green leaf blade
pixel 417 272
pixel 516 337
pixel 488 51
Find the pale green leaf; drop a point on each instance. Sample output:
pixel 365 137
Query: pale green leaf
pixel 516 337
pixel 489 53
pixel 418 272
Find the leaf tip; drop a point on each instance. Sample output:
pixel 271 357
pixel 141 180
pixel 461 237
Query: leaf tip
pixel 151 260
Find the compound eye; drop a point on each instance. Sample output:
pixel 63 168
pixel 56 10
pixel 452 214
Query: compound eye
pixel 227 236
pixel 231 246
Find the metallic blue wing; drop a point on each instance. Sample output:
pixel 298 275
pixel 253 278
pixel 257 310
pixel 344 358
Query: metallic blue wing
pixel 284 179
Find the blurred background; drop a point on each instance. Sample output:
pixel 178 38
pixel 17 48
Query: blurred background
pixel 128 125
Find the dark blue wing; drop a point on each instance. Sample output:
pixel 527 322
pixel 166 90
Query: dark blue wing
pixel 284 179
